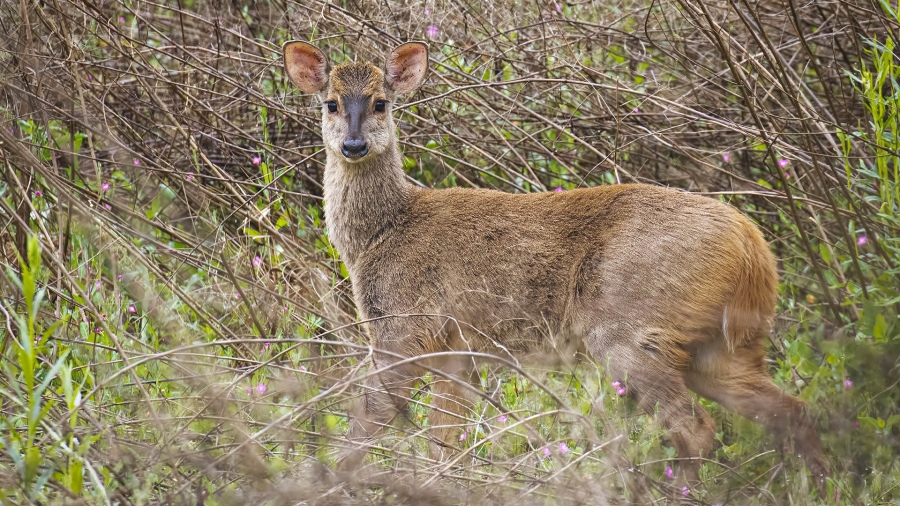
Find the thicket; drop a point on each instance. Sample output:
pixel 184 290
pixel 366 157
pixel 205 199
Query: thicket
pixel 176 328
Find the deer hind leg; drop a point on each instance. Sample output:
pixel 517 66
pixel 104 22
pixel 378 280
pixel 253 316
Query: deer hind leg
pixel 738 380
pixel 652 371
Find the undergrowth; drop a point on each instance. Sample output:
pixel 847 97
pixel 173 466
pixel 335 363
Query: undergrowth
pixel 178 329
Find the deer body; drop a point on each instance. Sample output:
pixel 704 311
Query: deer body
pixel 670 291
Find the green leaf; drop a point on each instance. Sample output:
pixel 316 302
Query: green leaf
pixel 825 253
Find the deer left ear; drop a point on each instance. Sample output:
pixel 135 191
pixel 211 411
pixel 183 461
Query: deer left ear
pixel 406 67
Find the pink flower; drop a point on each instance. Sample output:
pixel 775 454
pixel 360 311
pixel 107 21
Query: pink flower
pixel 302 368
pixel 104 187
pixel 97 331
pixel 427 11
pixel 855 424
pixel 545 451
pixel 103 316
pixel 257 261
pixel 249 390
pixel 848 383
pixel 121 277
pixel 462 437
pixel 137 163
pixel 266 346
pixel 131 309
pixel 121 19
pixel 782 163
pixel 563 448
pixel 636 110
pixel 558 6
pixel 616 384
pixel 669 473
pixel 108 207
pixel 37 193
pixel 285 308
pixel 190 175
pixel 432 31
pixel 862 240
pixel 726 157
pixel 685 491
pixel 98 284
pixel 502 418
pixel 261 388
pixel 620 391
pixel 257 160
pixel 558 189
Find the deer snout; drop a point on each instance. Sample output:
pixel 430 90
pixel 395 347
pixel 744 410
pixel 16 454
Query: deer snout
pixel 354 148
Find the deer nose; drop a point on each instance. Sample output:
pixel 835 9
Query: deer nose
pixel 354 148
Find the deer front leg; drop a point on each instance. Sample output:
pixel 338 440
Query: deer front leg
pixel 450 402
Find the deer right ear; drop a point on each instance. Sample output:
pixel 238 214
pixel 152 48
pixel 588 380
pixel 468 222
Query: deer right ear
pixel 306 66
pixel 406 67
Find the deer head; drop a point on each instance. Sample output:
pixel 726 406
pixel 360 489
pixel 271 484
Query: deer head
pixel 356 97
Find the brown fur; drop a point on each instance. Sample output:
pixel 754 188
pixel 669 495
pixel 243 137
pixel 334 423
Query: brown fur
pixel 672 291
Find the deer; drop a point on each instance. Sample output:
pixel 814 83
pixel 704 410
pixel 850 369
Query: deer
pixel 674 292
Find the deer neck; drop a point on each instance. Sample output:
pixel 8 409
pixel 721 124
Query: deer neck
pixel 363 200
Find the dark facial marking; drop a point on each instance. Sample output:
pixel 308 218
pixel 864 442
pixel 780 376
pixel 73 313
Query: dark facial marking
pixel 356 107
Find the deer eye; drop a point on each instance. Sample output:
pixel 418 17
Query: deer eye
pixel 332 106
pixel 379 105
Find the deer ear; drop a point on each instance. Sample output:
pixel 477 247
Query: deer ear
pixel 406 67
pixel 306 66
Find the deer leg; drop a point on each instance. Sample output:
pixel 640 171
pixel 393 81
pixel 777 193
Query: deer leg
pixel 739 381
pixel 384 396
pixel 450 402
pixel 652 372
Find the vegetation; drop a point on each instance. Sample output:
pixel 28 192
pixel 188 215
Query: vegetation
pixel 176 328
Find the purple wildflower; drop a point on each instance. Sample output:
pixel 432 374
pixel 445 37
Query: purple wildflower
pixel 862 240
pixel 432 31
pixel 558 189
pixel 137 162
pixel 302 368
pixel 257 160
pixel 782 163
pixel 462 437
pixel 37 193
pixel 121 19
pixel 502 418
pixel 257 261
pixel 261 388
pixel 726 157
pixel 848 383
pixel 685 491
pixel 104 187
pixel 669 473
pixel 545 451
pixel 131 309
pixel 563 448
pixel 190 175
pixel 107 207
